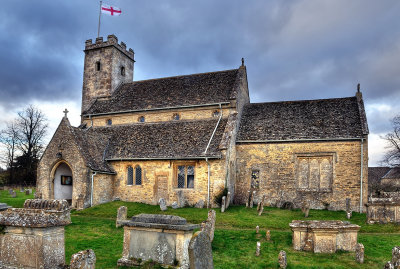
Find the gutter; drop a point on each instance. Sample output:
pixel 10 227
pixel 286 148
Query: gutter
pixel 164 158
pixel 299 140
pixel 155 109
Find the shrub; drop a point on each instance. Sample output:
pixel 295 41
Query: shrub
pixel 218 197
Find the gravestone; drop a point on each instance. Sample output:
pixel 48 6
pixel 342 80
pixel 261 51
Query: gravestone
pixel 282 260
pixel 348 204
pixel 258 247
pixel 163 204
pixel 13 194
pixel 252 199
pixel 200 251
pixel 388 265
pixel 199 204
pixel 260 208
pixel 21 190
pixel 223 203
pixel 248 199
pixel 228 200
pixel 268 235
pixel 85 259
pixel 257 229
pixel 396 257
pixel 174 205
pixel 181 199
pixel 10 191
pixel 121 215
pixel 208 226
pixel 360 253
pixel 27 192
pixel 348 214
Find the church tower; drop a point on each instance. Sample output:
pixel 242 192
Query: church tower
pixel 107 65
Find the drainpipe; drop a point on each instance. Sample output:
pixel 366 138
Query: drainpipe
pixel 91 193
pixel 361 174
pixel 208 184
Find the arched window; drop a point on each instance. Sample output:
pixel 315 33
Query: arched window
pixel 98 66
pixel 138 175
pixel 130 176
pixel 176 116
pixel 141 119
pixel 122 71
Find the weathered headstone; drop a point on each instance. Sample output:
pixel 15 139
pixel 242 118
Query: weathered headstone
pixel 27 192
pixel 252 199
pixel 268 235
pixel 10 191
pixel 260 208
pixel 348 214
pixel 208 226
pixel 258 247
pixel 257 229
pixel 200 251
pixel 306 212
pixel 181 199
pixel 199 204
pixel 163 204
pixel 360 253
pixel 228 200
pixel 396 257
pixel 348 204
pixel 282 260
pixel 174 205
pixel 13 194
pixel 85 259
pixel 21 190
pixel 223 203
pixel 121 215
pixel 248 199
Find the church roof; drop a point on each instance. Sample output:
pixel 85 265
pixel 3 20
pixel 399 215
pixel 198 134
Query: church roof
pixel 394 173
pixel 375 174
pixel 330 119
pixel 164 140
pixel 187 90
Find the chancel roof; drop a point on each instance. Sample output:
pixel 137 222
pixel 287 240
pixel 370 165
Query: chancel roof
pixel 187 90
pixel 339 118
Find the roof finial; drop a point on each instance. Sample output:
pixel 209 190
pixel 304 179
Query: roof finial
pixel 358 87
pixel 65 112
pixel 242 61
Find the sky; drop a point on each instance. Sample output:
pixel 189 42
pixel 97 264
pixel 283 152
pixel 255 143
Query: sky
pixel 293 50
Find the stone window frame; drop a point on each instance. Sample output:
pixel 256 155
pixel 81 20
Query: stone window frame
pixel 141 119
pixel 175 175
pixel 138 181
pixel 335 159
pixel 122 71
pixel 133 180
pixel 108 122
pixel 98 66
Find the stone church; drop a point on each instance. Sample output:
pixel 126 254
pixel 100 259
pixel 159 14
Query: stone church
pixel 192 136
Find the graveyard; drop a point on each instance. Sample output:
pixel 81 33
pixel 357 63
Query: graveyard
pixel 235 239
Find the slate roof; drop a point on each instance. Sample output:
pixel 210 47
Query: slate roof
pixel 375 174
pixel 196 89
pixel 394 173
pixel 164 140
pixel 330 119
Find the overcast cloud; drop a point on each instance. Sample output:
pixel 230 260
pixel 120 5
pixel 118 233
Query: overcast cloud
pixel 293 50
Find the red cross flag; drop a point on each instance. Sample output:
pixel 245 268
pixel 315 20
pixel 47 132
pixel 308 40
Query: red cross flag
pixel 109 10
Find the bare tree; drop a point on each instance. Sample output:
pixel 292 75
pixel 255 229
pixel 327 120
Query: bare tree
pixel 9 138
pixel 392 155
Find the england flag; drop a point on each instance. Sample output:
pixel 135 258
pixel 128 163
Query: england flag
pixel 109 10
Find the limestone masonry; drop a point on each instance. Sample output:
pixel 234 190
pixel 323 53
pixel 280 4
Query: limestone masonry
pixel 182 140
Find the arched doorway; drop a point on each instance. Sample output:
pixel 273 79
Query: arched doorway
pixel 63 182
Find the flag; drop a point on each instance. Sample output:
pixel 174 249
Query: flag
pixel 109 10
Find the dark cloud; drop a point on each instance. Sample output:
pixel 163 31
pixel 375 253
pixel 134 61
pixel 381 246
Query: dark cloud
pixel 296 49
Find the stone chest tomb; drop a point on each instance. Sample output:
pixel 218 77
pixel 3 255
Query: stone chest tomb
pixel 161 238
pixel 34 235
pixel 324 236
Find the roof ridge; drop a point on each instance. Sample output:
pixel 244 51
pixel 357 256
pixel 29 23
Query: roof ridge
pixel 195 74
pixel 298 101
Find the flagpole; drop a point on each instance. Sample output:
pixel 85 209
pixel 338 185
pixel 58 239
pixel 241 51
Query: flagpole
pixel 98 28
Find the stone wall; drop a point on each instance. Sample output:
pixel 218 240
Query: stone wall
pixel 159 181
pixel 158 116
pixel 103 188
pixel 383 210
pixel 277 171
pixel 63 142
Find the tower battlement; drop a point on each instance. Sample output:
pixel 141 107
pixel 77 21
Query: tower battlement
pixel 112 40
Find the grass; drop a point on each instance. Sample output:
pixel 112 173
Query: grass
pixel 18 201
pixel 235 237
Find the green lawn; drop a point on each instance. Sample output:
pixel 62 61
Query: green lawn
pixel 235 237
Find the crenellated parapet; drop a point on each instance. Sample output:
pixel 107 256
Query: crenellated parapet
pixel 112 40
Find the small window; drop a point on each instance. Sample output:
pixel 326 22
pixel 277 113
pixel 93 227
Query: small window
pixel 215 113
pixel 176 116
pixel 109 122
pixel 255 179
pixel 185 176
pixel 66 180
pixel 138 175
pixel 98 66
pixel 122 71
pixel 141 119
pixel 130 176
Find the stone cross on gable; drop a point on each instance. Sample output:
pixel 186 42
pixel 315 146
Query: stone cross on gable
pixel 65 112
